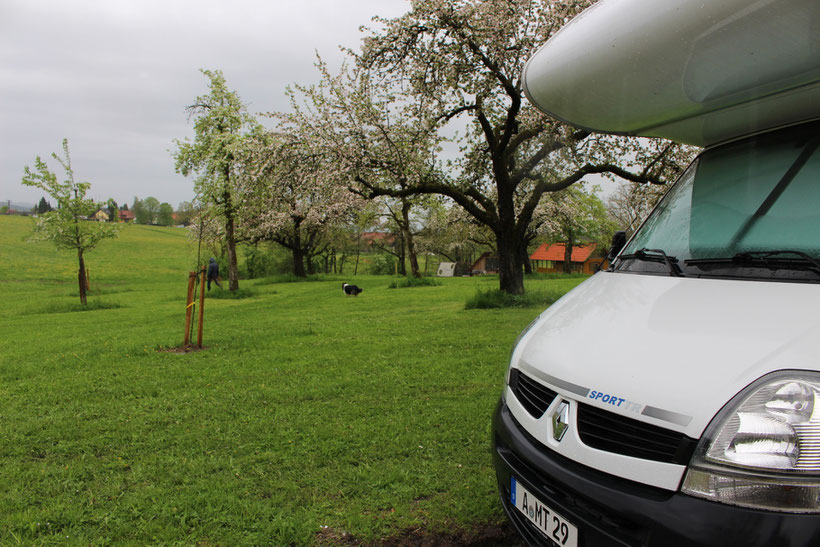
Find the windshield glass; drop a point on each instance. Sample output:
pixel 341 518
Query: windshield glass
pixel 736 205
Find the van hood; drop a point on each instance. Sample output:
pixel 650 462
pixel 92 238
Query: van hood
pixel 670 351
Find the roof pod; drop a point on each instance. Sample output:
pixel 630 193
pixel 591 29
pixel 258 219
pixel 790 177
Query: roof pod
pixel 694 71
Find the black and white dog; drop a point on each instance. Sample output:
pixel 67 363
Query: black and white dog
pixel 351 290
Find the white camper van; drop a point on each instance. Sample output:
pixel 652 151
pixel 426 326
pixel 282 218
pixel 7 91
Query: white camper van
pixel 692 417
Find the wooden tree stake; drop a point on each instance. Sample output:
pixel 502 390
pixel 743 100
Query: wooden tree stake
pixel 189 302
pixel 201 307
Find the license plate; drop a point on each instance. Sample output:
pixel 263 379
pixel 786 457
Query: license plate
pixel 553 525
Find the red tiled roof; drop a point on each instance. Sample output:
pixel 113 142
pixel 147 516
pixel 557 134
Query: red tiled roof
pixel 377 237
pixel 555 252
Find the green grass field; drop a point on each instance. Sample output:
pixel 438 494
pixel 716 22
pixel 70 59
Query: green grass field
pixel 309 414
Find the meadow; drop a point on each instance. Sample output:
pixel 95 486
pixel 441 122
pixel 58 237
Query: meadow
pixel 309 418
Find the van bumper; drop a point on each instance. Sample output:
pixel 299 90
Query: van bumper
pixel 608 510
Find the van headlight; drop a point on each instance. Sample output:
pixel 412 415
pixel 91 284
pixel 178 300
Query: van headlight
pixel 763 449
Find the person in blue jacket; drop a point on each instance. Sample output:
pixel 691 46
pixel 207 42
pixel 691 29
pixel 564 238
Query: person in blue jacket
pixel 213 274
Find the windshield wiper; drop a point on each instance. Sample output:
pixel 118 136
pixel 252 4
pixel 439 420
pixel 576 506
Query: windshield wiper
pixel 657 255
pixel 766 258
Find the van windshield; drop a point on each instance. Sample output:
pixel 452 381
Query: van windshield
pixel 747 209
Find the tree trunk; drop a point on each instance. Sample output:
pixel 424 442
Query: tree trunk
pixel 230 238
pixel 298 262
pixel 81 277
pixel 233 270
pixel 408 238
pixel 525 258
pixel 510 270
pixel 508 240
pixel 414 259
pixel 568 257
pixel 401 267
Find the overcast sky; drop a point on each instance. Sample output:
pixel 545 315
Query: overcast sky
pixel 114 78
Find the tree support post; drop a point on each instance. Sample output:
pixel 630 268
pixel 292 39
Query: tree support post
pixel 201 307
pixel 189 303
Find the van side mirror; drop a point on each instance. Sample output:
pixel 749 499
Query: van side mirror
pixel 618 242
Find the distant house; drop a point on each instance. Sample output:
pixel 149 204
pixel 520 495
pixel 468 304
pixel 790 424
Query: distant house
pixel 486 263
pixel 550 258
pixel 99 216
pixel 126 216
pixel 378 238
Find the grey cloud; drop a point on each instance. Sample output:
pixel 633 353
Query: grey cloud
pixel 114 77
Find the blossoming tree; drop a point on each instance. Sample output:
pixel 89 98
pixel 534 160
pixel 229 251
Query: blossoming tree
pixel 462 60
pixel 292 195
pixel 221 127
pixel 573 216
pixel 372 137
pixel 67 226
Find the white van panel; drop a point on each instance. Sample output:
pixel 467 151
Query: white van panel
pixel 675 349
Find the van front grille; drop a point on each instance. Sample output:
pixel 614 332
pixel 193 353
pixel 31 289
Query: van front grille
pixel 533 396
pixel 615 433
pixel 608 431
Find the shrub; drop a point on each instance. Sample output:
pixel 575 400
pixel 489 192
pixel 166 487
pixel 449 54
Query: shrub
pixel 260 263
pixel 411 281
pixel 383 264
pixel 496 298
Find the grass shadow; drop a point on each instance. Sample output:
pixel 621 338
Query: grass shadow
pixel 238 294
pixel 68 307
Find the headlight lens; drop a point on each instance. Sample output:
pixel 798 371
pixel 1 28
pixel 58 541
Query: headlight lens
pixel 763 449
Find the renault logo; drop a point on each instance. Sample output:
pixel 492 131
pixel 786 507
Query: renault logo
pixel 560 421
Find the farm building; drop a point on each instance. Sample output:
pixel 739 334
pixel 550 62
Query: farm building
pixel 486 263
pixel 549 258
